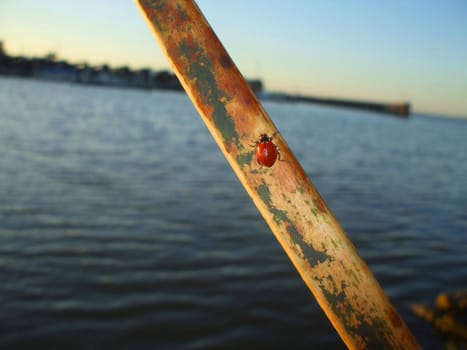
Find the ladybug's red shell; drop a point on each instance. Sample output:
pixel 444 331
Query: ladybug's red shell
pixel 266 151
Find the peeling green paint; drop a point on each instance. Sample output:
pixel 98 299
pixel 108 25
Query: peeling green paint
pixel 313 256
pixel 182 13
pixel 264 193
pixel 200 71
pixel 278 215
pixel 370 330
pixel 244 158
pixel 354 277
pixel 314 212
pixel 313 209
pixel 156 7
pixel 334 243
pixel 355 273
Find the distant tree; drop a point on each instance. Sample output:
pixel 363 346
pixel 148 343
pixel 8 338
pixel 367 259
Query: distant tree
pixel 51 56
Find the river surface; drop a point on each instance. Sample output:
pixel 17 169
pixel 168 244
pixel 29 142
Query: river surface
pixel 123 227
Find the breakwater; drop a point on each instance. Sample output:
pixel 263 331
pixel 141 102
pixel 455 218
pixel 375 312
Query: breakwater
pixel 398 109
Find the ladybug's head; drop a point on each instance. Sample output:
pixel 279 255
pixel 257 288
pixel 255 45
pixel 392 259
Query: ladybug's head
pixel 264 138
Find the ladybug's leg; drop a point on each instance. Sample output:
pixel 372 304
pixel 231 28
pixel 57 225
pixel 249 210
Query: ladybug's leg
pixel 254 144
pixel 279 154
pixel 277 148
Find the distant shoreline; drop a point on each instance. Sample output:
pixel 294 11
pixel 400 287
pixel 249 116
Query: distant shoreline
pixel 51 69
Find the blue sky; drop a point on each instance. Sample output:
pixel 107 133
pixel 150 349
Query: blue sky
pixel 388 50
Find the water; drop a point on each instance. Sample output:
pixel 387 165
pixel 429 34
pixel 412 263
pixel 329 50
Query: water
pixel 123 227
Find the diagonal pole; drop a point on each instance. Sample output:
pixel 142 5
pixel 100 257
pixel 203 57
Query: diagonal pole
pixel 286 198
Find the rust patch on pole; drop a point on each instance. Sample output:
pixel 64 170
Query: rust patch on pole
pixel 297 215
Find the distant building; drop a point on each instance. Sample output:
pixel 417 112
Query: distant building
pixel 256 85
pixel 50 68
pixel 166 80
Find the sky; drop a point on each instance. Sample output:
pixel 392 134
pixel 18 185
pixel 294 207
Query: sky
pixel 385 50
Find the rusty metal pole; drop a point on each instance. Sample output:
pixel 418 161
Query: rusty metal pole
pixel 297 215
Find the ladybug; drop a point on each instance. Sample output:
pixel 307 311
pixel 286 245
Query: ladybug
pixel 266 151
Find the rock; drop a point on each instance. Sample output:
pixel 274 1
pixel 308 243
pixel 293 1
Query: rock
pixel 448 315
